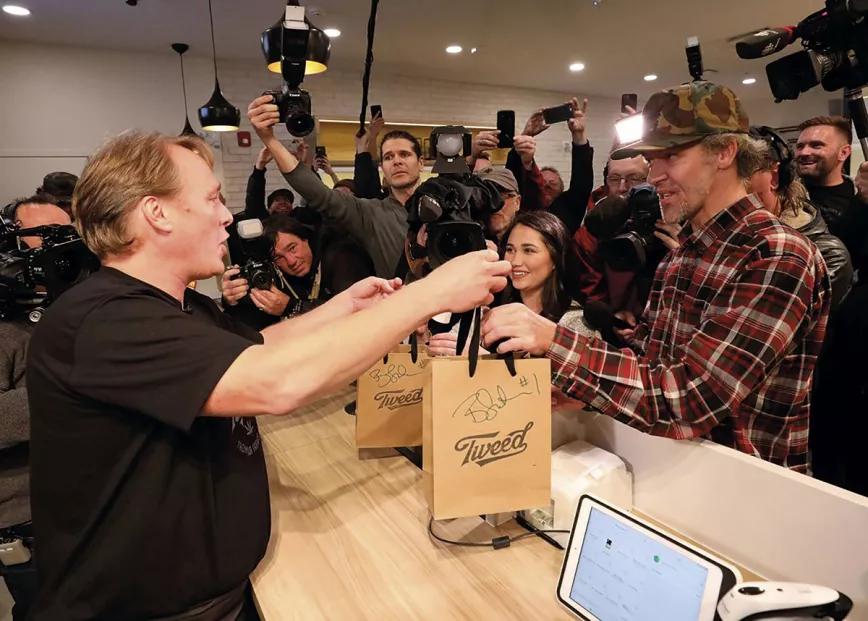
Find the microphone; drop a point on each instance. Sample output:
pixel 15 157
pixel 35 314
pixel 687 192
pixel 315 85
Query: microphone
pixel 766 42
pixel 607 217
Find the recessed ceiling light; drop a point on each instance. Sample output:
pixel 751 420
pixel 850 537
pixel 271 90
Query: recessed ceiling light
pixel 331 33
pixel 748 81
pixel 454 49
pixel 650 77
pixel 13 9
pixel 473 50
pixel 575 67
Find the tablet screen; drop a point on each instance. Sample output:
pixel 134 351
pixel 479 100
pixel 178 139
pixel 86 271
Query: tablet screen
pixel 624 575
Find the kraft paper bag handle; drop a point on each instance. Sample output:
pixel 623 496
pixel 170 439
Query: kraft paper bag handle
pixel 473 354
pixel 414 350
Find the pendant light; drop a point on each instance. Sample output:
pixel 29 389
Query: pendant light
pixel 180 48
pixel 218 115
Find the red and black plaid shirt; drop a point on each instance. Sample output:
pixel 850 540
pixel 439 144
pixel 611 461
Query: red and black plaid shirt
pixel 731 334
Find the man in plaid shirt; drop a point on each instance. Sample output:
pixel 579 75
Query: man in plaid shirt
pixel 736 315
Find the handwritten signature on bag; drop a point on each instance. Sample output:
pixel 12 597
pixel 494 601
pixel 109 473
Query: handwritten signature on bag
pixel 394 373
pixel 481 406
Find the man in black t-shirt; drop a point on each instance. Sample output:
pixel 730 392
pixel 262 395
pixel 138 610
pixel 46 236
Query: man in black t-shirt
pixel 821 151
pixel 149 490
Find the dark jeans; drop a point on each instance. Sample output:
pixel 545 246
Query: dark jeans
pixel 21 579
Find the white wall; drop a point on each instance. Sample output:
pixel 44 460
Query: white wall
pixel 58 105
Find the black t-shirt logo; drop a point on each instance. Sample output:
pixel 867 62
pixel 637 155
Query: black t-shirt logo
pixel 245 435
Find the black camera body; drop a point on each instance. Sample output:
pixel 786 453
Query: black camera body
pixel 259 274
pixel 454 208
pixel 257 268
pixel 634 245
pixel 293 104
pixel 32 278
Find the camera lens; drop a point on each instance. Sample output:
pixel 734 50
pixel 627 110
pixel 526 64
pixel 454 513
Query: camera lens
pixel 261 279
pixel 299 124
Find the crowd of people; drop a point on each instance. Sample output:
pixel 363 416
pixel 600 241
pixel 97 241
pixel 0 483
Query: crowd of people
pixel 742 323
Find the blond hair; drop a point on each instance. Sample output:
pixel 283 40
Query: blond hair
pixel 752 152
pixel 122 172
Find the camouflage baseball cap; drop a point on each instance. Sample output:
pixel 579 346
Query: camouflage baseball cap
pixel 686 114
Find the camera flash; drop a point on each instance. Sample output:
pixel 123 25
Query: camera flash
pixel 630 129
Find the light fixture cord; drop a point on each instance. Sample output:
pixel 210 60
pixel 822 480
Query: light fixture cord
pixel 369 60
pixel 183 83
pixel 213 47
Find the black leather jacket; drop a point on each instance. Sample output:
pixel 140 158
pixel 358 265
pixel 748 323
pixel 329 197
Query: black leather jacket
pixel 834 252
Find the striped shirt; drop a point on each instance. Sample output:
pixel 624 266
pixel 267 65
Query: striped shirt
pixel 727 347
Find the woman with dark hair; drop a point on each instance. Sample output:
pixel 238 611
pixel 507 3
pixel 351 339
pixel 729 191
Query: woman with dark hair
pixel 543 271
pixel 313 263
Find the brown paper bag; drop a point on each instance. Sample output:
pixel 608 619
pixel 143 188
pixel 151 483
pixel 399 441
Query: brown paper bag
pixel 486 440
pixel 389 401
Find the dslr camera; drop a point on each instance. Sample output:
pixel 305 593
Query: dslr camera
pixel 293 104
pixel 32 278
pixel 454 208
pixel 257 269
pixel 625 227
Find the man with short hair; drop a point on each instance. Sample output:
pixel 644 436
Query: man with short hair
pixel 37 210
pixel 737 313
pixel 60 185
pixel 150 496
pixel 379 225
pixel 500 221
pixel 822 149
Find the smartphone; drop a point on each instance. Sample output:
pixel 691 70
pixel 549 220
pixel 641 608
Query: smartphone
pixel 631 100
pixel 506 125
pixel 376 111
pixel 558 114
pixel 321 152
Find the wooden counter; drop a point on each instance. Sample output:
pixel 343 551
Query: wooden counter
pixel 349 538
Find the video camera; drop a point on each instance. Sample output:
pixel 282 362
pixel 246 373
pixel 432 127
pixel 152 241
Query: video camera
pixel 455 208
pixel 836 54
pixel 32 278
pixel 625 228
pixel 257 269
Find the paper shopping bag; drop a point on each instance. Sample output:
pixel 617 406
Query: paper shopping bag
pixel 389 401
pixel 486 439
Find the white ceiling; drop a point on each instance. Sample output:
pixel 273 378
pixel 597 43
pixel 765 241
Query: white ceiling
pixel 521 43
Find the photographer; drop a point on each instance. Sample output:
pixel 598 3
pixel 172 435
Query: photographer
pixel 822 149
pixel 37 210
pixel 737 313
pixel 312 265
pixel 60 185
pixel 150 495
pixel 380 226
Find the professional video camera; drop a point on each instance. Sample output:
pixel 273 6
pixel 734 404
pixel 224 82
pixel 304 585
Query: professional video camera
pixel 257 268
pixel 836 56
pixel 455 208
pixel 625 228
pixel 32 278
pixel 290 41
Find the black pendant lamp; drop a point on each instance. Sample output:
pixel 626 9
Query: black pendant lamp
pixel 188 130
pixel 318 46
pixel 218 115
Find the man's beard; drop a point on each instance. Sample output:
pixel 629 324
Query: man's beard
pixel 819 171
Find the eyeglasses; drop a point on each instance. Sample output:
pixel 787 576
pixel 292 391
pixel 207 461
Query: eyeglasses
pixel 631 179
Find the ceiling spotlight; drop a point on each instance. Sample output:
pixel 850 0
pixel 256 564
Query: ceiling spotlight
pixel 18 11
pixel 575 67
pixel 650 77
pixel 332 33
pixel 454 49
pixel 748 81
pixel 473 50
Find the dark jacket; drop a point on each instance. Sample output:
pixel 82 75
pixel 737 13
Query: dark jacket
pixel 341 263
pixel 571 205
pixel 847 218
pixel 834 253
pixel 367 177
pixel 14 425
